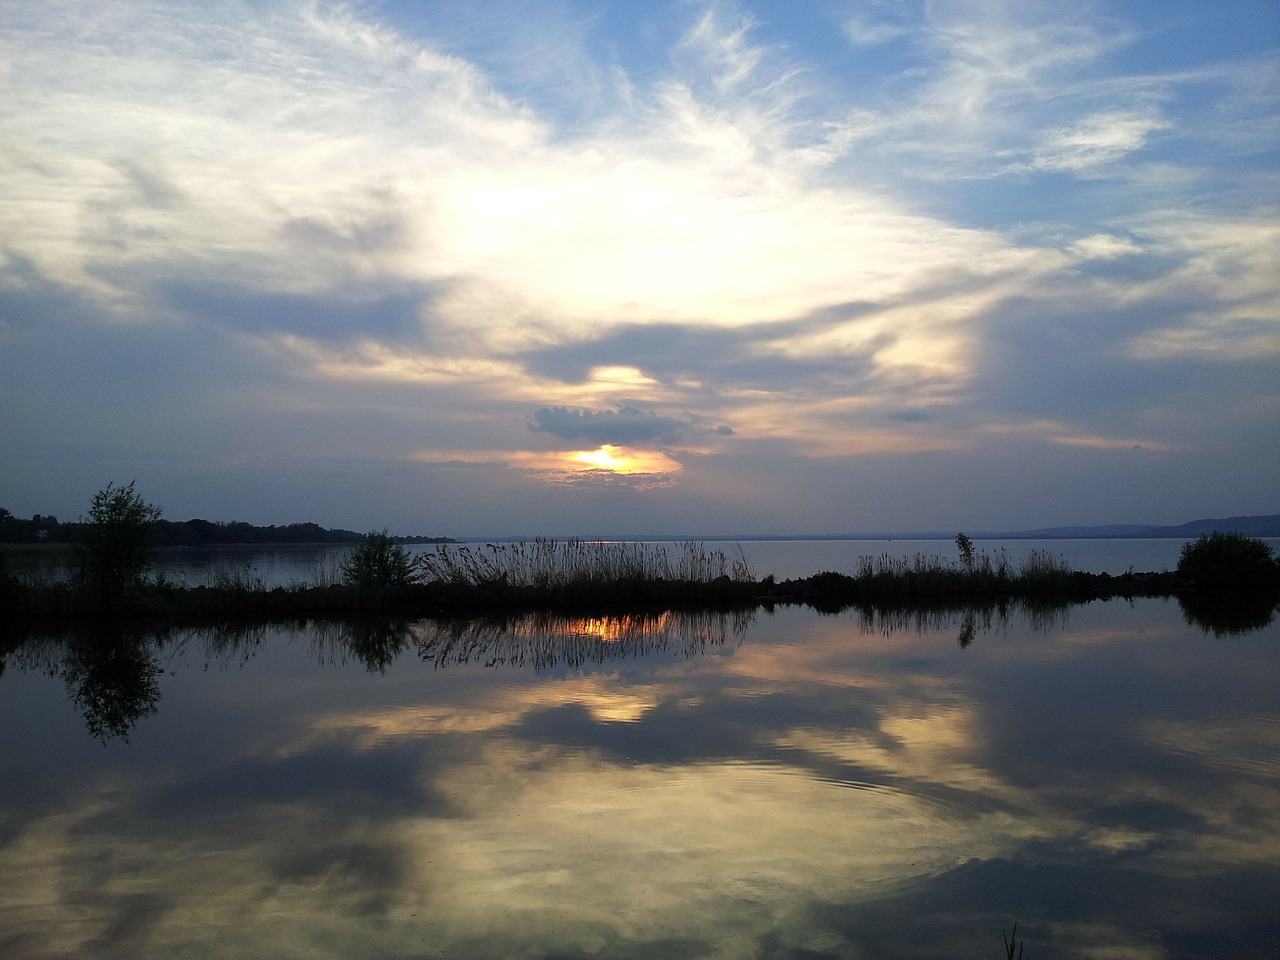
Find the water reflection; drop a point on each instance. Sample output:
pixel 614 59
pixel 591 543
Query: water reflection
pixel 110 673
pixel 112 679
pixel 375 643
pixel 783 785
pixel 543 641
pixel 540 641
pixel 971 619
pixel 1229 615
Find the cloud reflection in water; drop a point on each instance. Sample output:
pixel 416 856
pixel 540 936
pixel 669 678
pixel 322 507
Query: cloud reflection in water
pixel 660 787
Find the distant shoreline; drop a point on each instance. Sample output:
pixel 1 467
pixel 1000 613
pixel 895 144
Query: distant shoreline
pixel 198 533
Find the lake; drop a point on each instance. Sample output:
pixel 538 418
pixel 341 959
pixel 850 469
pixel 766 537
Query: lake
pixel 776 784
pixel 281 565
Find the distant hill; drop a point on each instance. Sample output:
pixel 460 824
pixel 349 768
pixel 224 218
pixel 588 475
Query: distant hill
pixel 1265 526
pixel 1262 526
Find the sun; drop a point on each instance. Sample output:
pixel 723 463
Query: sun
pixel 620 460
pixel 608 457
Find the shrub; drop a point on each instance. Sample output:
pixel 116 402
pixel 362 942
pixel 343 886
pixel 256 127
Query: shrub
pixel 1228 562
pixel 119 538
pixel 378 562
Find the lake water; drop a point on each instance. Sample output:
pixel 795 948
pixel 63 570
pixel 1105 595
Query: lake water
pixel 769 784
pixel 305 563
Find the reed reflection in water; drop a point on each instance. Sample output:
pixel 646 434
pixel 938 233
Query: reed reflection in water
pixel 538 640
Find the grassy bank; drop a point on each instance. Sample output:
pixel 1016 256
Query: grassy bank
pixel 459 580
pixel 925 577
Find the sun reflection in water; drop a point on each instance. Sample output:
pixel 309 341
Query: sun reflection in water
pixel 620 628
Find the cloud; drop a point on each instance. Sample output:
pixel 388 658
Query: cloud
pixel 910 416
pixel 1096 141
pixel 388 317
pixel 665 225
pixel 869 32
pixel 624 426
pixel 1104 246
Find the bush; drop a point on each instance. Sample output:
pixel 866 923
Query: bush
pixel 119 537
pixel 378 562
pixel 1222 562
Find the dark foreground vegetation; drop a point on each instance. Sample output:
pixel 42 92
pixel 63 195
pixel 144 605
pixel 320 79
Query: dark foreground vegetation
pixel 1219 577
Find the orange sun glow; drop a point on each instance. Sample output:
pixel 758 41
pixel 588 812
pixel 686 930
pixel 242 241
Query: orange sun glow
pixel 624 461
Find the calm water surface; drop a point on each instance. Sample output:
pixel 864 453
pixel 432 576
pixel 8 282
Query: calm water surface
pixel 778 785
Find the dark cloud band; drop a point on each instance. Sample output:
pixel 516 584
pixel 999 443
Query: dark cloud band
pixel 626 425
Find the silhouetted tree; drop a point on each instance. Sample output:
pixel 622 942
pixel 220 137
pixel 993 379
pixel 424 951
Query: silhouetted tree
pixel 1229 562
pixel 378 562
pixel 118 544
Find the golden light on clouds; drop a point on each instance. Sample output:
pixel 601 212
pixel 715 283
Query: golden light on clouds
pixel 625 460
pixel 607 460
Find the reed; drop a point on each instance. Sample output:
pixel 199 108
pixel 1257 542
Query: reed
pixel 1011 943
pixel 932 575
pixel 236 580
pixel 548 564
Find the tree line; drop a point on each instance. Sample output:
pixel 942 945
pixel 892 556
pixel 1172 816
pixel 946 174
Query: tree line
pixel 46 528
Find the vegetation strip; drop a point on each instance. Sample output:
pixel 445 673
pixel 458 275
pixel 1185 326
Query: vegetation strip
pixel 379 575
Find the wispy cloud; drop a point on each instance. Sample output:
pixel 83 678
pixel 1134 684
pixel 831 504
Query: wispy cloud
pixel 690 241
pixel 1095 141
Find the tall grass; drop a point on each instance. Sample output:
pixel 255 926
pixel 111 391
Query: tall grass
pixel 547 564
pixel 236 580
pixel 935 575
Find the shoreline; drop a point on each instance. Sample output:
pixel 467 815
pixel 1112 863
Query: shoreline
pixel 61 603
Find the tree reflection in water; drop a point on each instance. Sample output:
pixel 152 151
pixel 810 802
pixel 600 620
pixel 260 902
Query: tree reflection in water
pixel 111 677
pixel 1228 615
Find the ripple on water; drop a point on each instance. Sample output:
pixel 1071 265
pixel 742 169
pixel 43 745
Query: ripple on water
pixel 1238 743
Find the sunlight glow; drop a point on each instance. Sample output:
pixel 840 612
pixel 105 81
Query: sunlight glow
pixel 606 460
pixel 624 460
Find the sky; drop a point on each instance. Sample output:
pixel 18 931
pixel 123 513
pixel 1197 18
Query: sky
pixel 557 267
